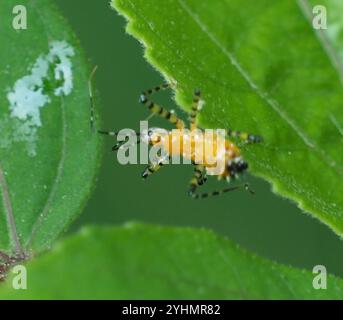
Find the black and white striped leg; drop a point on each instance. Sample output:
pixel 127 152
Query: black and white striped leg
pixel 120 144
pixel 158 110
pixel 108 133
pixel 199 180
pixel 192 193
pixel 245 137
pixel 196 106
pixel 153 168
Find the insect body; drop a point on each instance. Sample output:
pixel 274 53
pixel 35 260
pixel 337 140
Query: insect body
pixel 234 162
pixel 196 146
pixel 196 141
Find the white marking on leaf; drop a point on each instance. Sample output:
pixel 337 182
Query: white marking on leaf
pixel 30 94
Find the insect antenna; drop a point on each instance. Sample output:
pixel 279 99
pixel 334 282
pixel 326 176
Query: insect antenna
pixel 91 99
pixel 92 116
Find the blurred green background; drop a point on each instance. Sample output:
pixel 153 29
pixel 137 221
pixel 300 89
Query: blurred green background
pixel 265 224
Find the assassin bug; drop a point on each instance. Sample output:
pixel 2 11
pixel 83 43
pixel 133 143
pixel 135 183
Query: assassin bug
pixel 235 165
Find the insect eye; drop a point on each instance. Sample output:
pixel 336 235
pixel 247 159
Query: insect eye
pixel 150 133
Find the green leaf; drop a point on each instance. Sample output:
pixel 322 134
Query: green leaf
pixel 332 37
pixel 148 262
pixel 48 155
pixel 262 69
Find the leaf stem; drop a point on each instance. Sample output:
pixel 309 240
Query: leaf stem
pixel 9 213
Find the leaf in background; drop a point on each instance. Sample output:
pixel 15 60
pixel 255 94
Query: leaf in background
pixel 262 69
pixel 147 262
pixel 48 156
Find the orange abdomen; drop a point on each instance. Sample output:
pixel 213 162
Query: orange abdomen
pixel 199 147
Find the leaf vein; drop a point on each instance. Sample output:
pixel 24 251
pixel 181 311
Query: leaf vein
pixel 336 123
